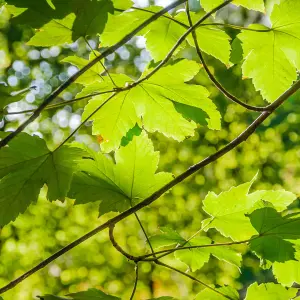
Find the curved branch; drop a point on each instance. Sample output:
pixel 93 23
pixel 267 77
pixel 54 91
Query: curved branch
pixel 190 171
pixel 213 79
pixel 118 247
pixel 67 83
pixel 179 42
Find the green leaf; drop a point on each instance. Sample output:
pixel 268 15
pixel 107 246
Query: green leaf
pixel 195 258
pixel 287 273
pixel 135 131
pixel 119 185
pixel 69 21
pixel 92 294
pixel 25 166
pixel 274 231
pixel 51 297
pixel 280 199
pixel 269 291
pixel 167 237
pixel 220 48
pixel 237 51
pixel 227 211
pixel 258 5
pixel 251 4
pixel 91 75
pixel 50 4
pixel 208 294
pixel 278 49
pixel 150 105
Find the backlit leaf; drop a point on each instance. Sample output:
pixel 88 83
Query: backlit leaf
pixel 150 105
pixel 269 291
pixel 278 49
pixel 117 186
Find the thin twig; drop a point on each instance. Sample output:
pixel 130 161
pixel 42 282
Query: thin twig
pixel 211 76
pixel 101 63
pixel 56 105
pixel 190 171
pixel 192 277
pixel 169 251
pixel 73 78
pixel 205 24
pixel 145 233
pixel 136 280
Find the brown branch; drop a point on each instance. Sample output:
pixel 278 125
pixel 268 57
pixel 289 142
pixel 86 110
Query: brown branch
pixel 136 280
pixel 73 78
pixel 190 171
pixel 211 76
pixel 118 247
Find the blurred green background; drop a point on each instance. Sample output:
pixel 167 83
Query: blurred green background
pixel 273 150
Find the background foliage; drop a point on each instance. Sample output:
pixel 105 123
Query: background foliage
pixel 46 227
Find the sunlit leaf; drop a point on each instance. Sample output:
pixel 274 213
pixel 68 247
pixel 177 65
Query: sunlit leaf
pixel 269 291
pixel 278 49
pixel 208 294
pixel 150 105
pixel 119 185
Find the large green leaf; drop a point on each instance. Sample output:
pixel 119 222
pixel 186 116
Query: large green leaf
pixel 25 166
pixel 228 209
pixel 208 294
pixel 66 23
pixel 269 291
pixel 195 258
pixel 150 105
pixel 274 231
pixel 119 185
pixel 272 58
